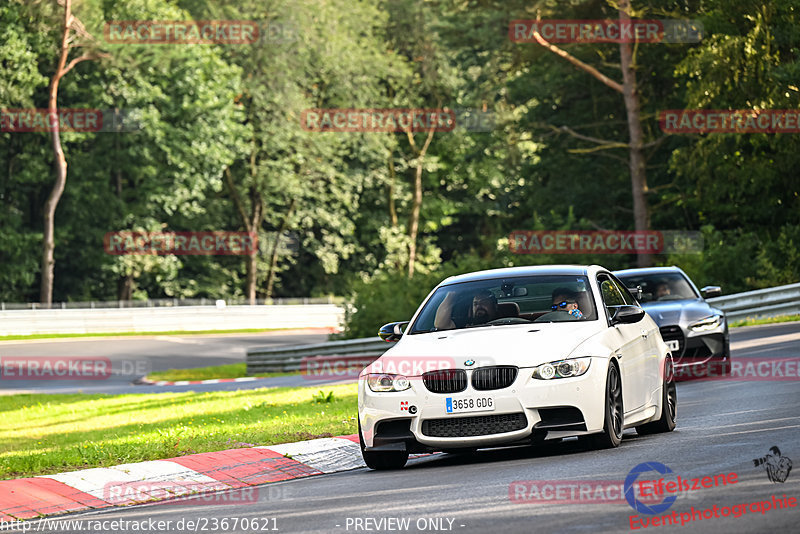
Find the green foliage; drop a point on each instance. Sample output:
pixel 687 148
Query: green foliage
pixel 322 397
pixel 338 204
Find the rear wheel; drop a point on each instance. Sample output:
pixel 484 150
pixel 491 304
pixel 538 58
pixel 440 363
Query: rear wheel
pixel 669 405
pixel 612 427
pixel 382 460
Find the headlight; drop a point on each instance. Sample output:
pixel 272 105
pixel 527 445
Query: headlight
pixel 562 368
pixel 387 382
pixel 709 323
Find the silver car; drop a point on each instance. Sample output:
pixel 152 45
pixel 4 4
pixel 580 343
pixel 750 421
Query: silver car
pixel 695 331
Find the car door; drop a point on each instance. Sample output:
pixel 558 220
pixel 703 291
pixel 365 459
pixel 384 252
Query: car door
pixel 648 329
pixel 630 346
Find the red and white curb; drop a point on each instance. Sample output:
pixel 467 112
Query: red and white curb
pixel 158 480
pixel 148 382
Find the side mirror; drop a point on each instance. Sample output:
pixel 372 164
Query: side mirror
pixel 636 292
pixel 520 292
pixel 392 331
pixel 627 315
pixel 711 291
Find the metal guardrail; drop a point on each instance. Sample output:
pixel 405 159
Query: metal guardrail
pixel 770 302
pixel 263 359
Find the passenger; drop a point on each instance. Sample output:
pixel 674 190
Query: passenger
pixel 566 300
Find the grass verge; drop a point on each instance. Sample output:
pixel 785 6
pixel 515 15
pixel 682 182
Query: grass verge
pixel 765 320
pixel 161 333
pixel 44 434
pixel 234 370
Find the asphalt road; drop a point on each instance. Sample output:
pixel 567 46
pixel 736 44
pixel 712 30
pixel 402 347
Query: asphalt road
pixel 134 357
pixel 722 427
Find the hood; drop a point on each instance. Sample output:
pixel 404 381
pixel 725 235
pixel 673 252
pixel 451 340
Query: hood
pixel 673 312
pixel 525 345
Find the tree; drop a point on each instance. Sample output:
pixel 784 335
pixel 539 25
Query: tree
pixel 630 92
pixel 71 28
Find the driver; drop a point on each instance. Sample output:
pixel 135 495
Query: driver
pixel 566 300
pixel 662 290
pixel 484 307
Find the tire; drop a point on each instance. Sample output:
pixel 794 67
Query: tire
pixel 381 461
pixel 669 405
pixel 726 358
pixel 611 436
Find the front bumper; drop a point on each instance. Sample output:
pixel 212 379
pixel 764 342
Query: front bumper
pixel 526 410
pixel 696 348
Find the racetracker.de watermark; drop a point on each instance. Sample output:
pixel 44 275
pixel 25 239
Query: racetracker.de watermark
pixel 396 120
pixel 67 120
pixel 186 493
pixel 248 32
pixel 604 242
pixel 54 368
pixel 606 31
pixel 349 367
pixel 181 243
pixel 570 491
pixel 740 370
pixel 688 121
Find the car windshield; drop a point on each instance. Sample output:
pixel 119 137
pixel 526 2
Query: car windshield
pixel 661 287
pixel 507 301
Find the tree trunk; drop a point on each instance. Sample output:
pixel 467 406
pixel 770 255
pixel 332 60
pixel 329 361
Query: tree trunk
pixel 125 287
pixel 273 260
pixel 251 223
pixel 390 192
pixel 638 171
pixel 60 165
pixel 413 220
pixel 416 204
pixel 630 93
pixel 48 244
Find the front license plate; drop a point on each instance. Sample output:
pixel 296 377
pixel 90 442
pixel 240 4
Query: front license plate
pixel 673 344
pixel 468 404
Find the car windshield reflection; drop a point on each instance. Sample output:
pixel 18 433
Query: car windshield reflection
pixel 507 301
pixel 661 287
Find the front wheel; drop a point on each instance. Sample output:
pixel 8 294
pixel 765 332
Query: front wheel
pixel 384 460
pixel 669 405
pixel 612 427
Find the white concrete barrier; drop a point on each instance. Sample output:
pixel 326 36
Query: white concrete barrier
pixel 189 318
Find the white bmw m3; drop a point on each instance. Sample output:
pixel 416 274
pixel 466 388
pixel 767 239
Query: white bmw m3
pixel 516 356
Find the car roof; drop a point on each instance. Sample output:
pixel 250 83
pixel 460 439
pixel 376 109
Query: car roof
pixel 649 270
pixel 510 272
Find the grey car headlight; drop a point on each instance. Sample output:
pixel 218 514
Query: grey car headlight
pixel 382 382
pixel 709 323
pixel 562 368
